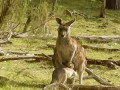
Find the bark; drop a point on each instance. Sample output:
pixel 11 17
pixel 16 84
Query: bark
pixel 113 4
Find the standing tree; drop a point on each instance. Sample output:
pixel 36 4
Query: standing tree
pixel 102 11
pixel 113 4
pixel 54 2
pixel 27 23
pixel 5 7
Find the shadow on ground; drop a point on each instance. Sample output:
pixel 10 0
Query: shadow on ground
pixel 4 81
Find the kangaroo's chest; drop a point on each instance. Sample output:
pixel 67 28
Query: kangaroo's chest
pixel 66 52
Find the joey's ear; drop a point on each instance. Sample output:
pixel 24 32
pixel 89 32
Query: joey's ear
pixel 59 21
pixel 70 22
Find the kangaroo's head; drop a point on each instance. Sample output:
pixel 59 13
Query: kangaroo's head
pixel 64 28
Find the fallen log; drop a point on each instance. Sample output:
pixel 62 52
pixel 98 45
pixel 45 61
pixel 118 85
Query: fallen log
pixel 91 47
pixel 112 64
pixel 5 42
pixel 100 48
pixel 80 87
pixel 56 86
pixel 104 39
pixel 21 35
pixel 100 38
pixel 24 53
pixel 97 78
pixel 20 58
pixel 93 87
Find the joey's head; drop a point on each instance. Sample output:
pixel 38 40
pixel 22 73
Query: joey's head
pixel 64 28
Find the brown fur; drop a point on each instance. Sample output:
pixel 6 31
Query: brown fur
pixel 60 76
pixel 68 52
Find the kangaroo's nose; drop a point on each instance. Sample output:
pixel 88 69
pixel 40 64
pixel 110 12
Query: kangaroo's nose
pixel 63 34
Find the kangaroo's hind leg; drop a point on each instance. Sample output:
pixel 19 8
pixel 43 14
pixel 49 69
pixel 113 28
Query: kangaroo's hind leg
pixel 80 72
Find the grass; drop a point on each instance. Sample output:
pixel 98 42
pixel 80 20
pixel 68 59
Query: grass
pixel 29 75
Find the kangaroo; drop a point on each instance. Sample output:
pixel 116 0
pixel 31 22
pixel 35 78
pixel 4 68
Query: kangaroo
pixel 68 52
pixel 60 76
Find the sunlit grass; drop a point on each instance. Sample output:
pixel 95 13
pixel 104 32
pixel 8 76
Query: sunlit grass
pixel 32 75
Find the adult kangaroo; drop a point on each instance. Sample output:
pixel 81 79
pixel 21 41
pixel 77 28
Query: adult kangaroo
pixel 68 52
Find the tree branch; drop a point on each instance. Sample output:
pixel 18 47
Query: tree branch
pixel 97 78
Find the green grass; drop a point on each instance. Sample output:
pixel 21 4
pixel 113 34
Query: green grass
pixel 31 75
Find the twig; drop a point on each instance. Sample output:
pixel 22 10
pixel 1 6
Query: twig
pixel 11 28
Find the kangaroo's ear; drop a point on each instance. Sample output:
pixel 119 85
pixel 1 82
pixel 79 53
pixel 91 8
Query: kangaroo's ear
pixel 70 22
pixel 59 21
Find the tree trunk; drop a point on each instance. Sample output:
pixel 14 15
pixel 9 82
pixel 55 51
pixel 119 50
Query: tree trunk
pixel 113 4
pixel 102 11
pixel 53 7
pixel 27 24
pixel 5 8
